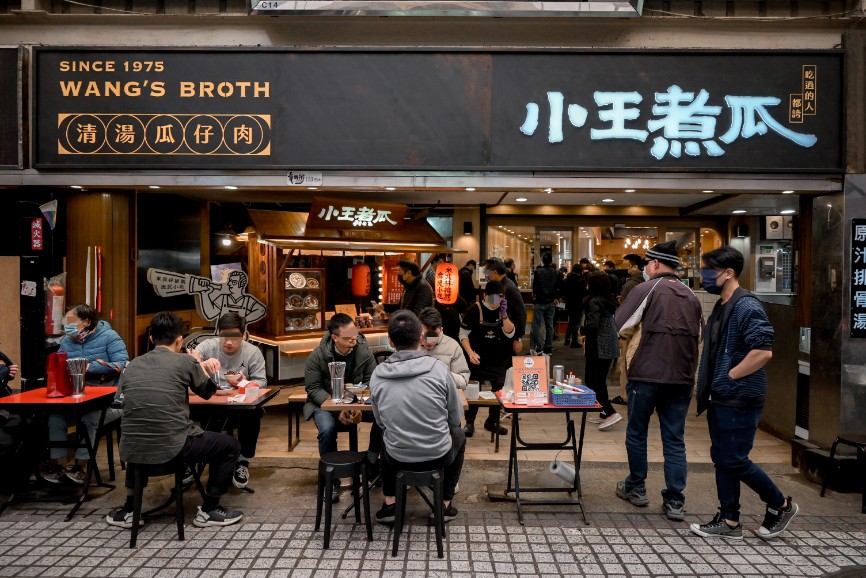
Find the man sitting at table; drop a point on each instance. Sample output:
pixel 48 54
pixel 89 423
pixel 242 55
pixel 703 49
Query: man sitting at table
pixel 239 360
pixel 156 424
pixel 342 342
pixel 416 404
pixel 442 347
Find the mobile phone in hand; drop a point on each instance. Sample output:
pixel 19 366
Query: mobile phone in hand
pixel 503 308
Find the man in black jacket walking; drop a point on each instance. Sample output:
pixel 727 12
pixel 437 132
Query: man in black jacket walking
pixel 545 284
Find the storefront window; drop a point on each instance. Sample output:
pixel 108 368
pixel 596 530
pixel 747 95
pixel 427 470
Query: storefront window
pixel 525 246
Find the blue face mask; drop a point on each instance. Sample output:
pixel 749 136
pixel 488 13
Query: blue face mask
pixel 708 280
pixel 70 329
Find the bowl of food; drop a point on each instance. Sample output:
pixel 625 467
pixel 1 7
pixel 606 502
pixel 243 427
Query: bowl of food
pixel 233 378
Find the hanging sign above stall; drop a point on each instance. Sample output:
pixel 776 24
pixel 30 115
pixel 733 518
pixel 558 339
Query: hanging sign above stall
pixel 338 213
pixel 733 111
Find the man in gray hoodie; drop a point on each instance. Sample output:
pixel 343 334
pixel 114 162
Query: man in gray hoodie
pixel 416 404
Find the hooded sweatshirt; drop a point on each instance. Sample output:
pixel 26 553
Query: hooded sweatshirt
pixel 415 401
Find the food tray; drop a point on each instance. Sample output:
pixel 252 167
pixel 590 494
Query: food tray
pixel 566 399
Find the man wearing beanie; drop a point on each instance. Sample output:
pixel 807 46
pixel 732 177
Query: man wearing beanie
pixel 662 319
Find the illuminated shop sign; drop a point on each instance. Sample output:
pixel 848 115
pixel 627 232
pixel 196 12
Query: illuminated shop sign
pixel 353 110
pixel 858 278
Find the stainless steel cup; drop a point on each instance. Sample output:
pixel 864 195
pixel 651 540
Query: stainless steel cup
pixel 338 369
pixel 558 373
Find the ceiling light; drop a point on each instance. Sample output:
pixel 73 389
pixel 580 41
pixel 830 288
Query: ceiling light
pixel 153 187
pixel 76 186
pixel 629 190
pixel 312 188
pixel 520 199
pixel 607 200
pixel 706 231
pixel 788 211
pixel 708 191
pixel 548 190
pixel 390 188
pixel 470 189
pixel 738 211
pixel 787 192
pixel 230 187
pixel 227 242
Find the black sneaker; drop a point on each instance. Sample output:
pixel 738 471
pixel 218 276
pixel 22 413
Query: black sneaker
pixel 449 513
pixel 469 430
pixel 548 350
pixel 387 514
pixel 491 427
pixel 576 345
pixel 718 528
pixel 335 492
pixel 674 510
pixel 637 496
pixel 241 477
pixel 217 516
pixel 188 478
pixel 777 519
pixel 566 343
pixel 121 518
pixel 75 474
pixel 53 474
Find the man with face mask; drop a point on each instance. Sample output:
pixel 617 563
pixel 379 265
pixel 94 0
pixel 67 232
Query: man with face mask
pixel 436 344
pixel 732 387
pixel 417 293
pixel 661 364
pixel 486 336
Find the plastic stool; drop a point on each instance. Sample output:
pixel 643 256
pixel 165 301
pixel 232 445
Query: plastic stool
pixel 336 465
pixel 854 440
pixel 431 479
pixel 141 472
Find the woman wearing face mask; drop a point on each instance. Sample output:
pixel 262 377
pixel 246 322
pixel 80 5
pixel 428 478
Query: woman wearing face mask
pixel 486 336
pixel 106 356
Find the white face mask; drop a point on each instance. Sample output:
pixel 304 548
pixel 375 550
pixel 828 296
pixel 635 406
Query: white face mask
pixel 432 339
pixel 646 276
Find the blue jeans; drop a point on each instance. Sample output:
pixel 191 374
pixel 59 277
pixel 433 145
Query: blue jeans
pixel 732 434
pixel 328 426
pixel 671 402
pixel 58 425
pixel 543 312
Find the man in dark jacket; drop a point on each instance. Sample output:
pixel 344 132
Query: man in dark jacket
pixel 732 387
pixel 661 366
pixel 545 284
pixel 343 343
pixel 574 290
pixel 417 293
pixel 496 271
pixel 466 282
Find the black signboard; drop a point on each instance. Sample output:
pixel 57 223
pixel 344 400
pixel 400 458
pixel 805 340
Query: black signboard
pixel 858 278
pixel 9 147
pixel 574 111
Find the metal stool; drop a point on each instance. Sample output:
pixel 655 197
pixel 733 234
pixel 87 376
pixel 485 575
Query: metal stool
pixel 336 465
pixel 431 479
pixel 854 440
pixel 141 472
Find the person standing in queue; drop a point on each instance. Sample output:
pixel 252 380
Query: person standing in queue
pixel 602 344
pixel 417 292
pixel 487 335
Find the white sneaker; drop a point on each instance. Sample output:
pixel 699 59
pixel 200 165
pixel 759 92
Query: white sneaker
pixel 241 477
pixel 219 516
pixel 611 419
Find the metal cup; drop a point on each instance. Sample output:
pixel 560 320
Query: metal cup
pixel 338 369
pixel 558 373
pixel 77 385
pixel 77 366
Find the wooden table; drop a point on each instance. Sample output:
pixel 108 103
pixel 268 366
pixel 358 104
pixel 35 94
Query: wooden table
pixel 572 442
pixel 95 398
pixel 337 405
pixel 481 402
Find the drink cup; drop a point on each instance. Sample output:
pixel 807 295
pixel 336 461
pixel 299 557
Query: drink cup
pixel 338 369
pixel 558 373
pixel 252 393
pixel 473 389
pixel 77 385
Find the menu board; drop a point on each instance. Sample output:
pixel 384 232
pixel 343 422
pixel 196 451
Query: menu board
pixel 530 380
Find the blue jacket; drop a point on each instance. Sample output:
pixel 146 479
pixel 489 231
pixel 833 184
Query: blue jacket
pixel 745 327
pixel 103 343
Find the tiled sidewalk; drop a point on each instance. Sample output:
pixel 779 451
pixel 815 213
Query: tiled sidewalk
pixel 282 543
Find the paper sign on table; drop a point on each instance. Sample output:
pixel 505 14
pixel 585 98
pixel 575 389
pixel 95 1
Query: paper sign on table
pixel 530 380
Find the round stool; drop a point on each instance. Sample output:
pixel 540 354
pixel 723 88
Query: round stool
pixel 430 479
pixel 336 465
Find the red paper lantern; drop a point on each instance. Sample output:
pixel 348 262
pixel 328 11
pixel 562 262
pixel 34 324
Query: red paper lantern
pixel 361 280
pixel 446 284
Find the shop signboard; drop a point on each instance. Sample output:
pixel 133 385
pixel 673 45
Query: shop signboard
pixel 9 108
pixel 309 111
pixel 858 278
pixel 342 213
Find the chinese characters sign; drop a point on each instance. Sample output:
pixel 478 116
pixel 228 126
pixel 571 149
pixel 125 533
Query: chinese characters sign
pixel 337 214
pixel 858 278
pixel 402 110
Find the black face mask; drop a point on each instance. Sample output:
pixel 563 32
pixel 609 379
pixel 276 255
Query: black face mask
pixel 402 281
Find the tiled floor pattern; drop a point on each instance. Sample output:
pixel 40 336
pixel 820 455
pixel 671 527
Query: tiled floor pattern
pixel 282 543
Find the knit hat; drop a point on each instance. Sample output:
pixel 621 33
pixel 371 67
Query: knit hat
pixel 665 253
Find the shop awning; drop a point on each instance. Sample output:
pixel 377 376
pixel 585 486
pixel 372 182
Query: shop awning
pixel 289 230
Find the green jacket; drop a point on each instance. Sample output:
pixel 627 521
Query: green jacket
pixel 317 376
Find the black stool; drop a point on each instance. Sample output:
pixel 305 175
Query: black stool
pixel 141 472
pixel 433 480
pixel 336 465
pixel 854 440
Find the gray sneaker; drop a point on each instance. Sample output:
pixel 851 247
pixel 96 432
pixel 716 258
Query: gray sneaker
pixel 777 519
pixel 718 528
pixel 674 510
pixel 637 496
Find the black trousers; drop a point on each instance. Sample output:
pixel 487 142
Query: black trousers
pixel 574 315
pixel 218 450
pixel 595 378
pixel 452 461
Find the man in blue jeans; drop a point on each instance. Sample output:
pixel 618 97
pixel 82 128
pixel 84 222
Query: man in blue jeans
pixel 732 387
pixel 545 289
pixel 662 319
